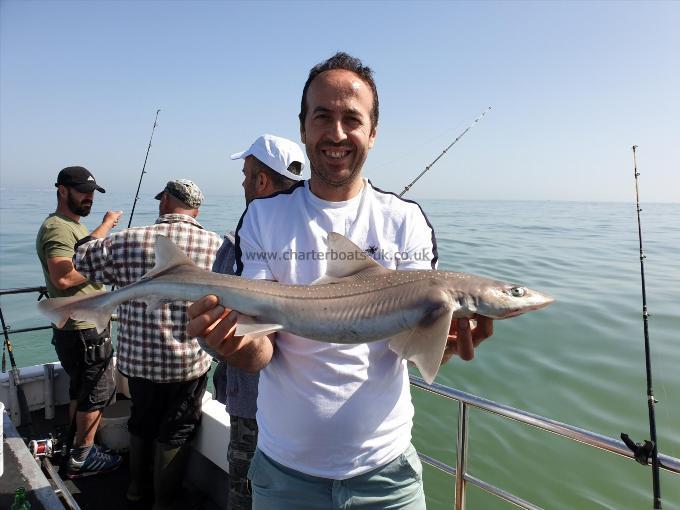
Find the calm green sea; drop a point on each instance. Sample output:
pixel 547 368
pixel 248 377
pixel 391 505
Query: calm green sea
pixel 580 361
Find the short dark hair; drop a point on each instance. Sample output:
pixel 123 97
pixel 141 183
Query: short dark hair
pixel 280 182
pixel 346 62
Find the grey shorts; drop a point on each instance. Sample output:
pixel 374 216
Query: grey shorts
pixel 396 485
pixel 87 359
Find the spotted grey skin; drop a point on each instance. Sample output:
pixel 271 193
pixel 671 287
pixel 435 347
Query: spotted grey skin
pixel 356 302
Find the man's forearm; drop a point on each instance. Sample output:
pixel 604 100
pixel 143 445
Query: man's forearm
pixel 101 230
pixel 72 279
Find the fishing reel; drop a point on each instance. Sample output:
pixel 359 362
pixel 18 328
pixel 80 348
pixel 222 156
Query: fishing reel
pixel 49 447
pixel 41 448
pixel 641 451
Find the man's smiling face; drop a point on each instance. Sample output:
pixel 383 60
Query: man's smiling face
pixel 337 130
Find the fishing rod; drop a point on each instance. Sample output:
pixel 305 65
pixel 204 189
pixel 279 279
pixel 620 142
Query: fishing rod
pixel 24 411
pixel 408 186
pixel 141 176
pixel 649 448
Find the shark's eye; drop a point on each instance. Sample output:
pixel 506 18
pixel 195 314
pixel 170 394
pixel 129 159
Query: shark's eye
pixel 518 291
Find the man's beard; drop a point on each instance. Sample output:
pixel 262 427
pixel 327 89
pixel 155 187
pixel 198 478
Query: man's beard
pixel 76 208
pixel 335 183
pixel 327 176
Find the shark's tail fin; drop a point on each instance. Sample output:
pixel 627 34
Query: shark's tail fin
pixel 85 307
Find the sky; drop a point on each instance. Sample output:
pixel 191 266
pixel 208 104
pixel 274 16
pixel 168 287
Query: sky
pixel 572 86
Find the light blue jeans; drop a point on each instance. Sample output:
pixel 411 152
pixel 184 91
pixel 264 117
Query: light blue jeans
pixel 397 485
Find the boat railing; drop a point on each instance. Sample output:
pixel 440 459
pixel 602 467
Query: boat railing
pixel 465 401
pixel 42 293
pixel 459 471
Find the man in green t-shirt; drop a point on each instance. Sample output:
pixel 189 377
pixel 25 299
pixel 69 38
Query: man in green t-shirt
pixel 84 353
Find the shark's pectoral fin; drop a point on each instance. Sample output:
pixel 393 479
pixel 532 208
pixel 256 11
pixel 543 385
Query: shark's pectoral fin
pixel 424 345
pixel 247 325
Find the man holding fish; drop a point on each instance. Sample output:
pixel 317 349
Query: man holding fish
pixel 271 164
pixel 335 419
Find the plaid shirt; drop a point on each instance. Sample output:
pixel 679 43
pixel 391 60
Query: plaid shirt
pixel 153 345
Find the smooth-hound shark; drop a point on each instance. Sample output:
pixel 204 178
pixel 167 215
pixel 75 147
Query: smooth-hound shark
pixel 356 301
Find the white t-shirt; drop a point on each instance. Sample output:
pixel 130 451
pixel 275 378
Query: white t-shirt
pixel 332 410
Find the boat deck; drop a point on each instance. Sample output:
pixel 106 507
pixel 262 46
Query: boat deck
pixel 20 470
pixel 101 492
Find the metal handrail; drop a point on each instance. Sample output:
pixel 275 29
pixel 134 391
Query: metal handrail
pixel 41 290
pixel 24 290
pixel 466 400
pixel 62 489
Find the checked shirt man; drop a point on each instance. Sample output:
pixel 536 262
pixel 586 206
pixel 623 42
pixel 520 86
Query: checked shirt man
pixel 166 369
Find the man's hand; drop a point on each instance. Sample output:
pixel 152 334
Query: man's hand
pixel 463 339
pixel 213 322
pixel 216 325
pixel 110 220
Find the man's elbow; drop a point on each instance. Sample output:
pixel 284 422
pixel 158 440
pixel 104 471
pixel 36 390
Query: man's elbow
pixel 61 283
pixel 64 283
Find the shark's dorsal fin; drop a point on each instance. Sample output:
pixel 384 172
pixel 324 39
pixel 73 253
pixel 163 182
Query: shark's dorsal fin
pixel 168 255
pixel 346 258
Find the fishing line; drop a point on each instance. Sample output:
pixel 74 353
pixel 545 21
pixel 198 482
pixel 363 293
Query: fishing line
pixel 141 176
pixel 649 449
pixel 408 186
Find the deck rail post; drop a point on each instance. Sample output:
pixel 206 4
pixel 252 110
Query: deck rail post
pixel 48 390
pixel 461 455
pixel 14 411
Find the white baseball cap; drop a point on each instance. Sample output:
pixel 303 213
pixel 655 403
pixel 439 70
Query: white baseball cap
pixel 277 153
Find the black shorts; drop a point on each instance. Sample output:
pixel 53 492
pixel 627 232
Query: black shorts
pixel 87 358
pixel 167 412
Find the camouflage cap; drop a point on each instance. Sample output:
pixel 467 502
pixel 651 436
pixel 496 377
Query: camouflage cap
pixel 184 190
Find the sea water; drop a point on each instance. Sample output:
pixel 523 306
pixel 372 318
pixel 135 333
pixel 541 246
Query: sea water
pixel 579 361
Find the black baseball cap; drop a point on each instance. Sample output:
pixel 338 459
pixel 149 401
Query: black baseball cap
pixel 78 178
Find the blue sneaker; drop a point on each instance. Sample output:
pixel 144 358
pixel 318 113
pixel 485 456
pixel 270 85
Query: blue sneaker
pixel 98 461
